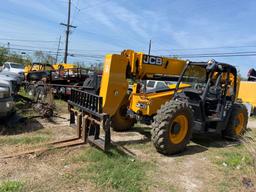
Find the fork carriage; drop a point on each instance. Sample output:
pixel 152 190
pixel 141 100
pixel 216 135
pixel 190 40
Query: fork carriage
pixel 87 116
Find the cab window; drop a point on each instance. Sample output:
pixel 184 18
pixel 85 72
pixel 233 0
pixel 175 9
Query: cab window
pixel 7 66
pixel 151 84
pixel 160 85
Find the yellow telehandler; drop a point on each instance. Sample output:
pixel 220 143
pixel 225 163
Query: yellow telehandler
pixel 200 96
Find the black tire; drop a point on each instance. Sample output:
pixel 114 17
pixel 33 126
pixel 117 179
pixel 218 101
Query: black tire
pixel 236 126
pixel 30 89
pixel 40 93
pixel 120 121
pixel 164 124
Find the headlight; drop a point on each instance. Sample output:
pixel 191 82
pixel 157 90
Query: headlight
pixel 4 92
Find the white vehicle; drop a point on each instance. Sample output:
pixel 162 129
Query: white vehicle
pixel 13 67
pixel 6 100
pixel 152 85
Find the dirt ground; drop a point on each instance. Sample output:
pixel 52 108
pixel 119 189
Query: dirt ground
pixel 205 165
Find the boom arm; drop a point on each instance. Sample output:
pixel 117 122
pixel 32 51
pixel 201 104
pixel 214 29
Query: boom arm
pixel 130 64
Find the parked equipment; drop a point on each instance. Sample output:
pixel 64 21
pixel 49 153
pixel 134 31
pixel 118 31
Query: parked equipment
pixel 60 80
pixel 204 99
pixel 247 92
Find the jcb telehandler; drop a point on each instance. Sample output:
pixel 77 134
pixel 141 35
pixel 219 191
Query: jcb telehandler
pixel 202 99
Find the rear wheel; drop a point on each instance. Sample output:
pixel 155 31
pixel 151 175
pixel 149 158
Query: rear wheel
pixel 172 127
pixel 237 122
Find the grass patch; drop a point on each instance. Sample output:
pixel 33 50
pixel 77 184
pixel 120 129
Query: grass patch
pixel 11 186
pixel 113 170
pixel 14 140
pixel 61 105
pixel 235 160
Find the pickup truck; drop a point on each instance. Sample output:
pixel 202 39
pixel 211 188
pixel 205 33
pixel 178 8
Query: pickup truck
pixel 13 78
pixel 6 100
pixel 13 67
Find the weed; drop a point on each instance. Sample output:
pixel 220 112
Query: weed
pixel 11 186
pixel 114 169
pixel 61 105
pixel 235 160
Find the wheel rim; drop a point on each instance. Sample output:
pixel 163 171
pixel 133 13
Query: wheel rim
pixel 240 123
pixel 179 129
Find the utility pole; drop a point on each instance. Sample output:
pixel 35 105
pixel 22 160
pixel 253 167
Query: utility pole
pixel 8 47
pixel 57 53
pixel 149 47
pixel 67 31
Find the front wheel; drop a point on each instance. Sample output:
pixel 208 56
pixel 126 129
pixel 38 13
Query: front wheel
pixel 120 121
pixel 172 127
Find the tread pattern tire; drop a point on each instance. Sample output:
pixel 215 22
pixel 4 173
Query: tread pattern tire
pixel 120 122
pixel 162 123
pixel 229 132
pixel 30 89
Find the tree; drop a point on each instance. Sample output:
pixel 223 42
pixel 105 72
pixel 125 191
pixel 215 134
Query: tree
pixel 3 55
pixel 43 57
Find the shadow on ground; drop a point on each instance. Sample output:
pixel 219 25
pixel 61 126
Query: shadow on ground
pixel 213 140
pixel 201 142
pixel 145 132
pixel 17 125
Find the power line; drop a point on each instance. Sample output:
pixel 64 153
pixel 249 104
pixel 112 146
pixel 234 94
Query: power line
pixel 202 56
pixel 219 53
pixel 28 46
pixel 27 40
pixel 94 5
pixel 208 48
pixel 97 56
pixel 76 12
pixel 58 49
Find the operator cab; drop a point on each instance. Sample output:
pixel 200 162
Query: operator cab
pixel 212 91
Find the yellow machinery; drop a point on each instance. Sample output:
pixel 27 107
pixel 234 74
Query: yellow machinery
pixel 114 85
pixel 41 67
pixel 64 66
pixel 203 98
pixel 37 67
pixel 247 92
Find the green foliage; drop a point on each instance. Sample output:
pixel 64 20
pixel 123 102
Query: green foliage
pixel 11 186
pixel 14 140
pixel 5 55
pixel 235 160
pixel 115 170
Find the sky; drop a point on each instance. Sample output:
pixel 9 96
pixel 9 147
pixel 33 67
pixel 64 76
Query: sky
pixel 176 27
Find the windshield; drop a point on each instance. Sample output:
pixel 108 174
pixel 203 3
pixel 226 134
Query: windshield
pixel 17 66
pixel 195 75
